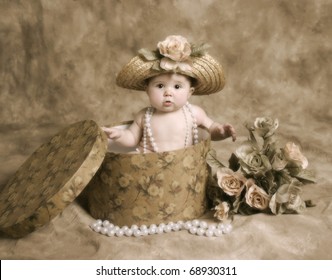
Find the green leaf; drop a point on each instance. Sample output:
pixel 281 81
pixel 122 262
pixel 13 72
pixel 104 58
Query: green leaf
pixel 306 176
pixel 199 50
pixel 213 162
pixel 148 55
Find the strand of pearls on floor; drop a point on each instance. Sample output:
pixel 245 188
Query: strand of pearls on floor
pixel 196 227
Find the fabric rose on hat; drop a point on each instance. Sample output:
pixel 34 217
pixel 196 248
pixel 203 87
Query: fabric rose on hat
pixel 176 51
pixel 230 182
pixel 256 197
pixel 175 47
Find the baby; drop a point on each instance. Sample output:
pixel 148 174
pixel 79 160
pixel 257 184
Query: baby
pixel 170 75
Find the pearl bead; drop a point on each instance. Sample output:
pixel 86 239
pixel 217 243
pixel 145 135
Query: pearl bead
pixel 221 226
pixel 145 231
pixel 119 232
pixel 227 229
pixel 167 228
pixel 124 228
pixel 209 233
pixel 111 232
pixel 200 231
pixel 203 224
pixel 188 225
pixel 128 232
pixel 106 223
pixel 97 228
pixel 153 226
pixel 212 227
pixel 99 222
pixel 103 230
pixel 134 227
pixel 137 232
pixel 143 227
pixel 218 232
pixel 193 230
pixel 152 230
pixel 176 227
pixel 195 223
pixel 159 230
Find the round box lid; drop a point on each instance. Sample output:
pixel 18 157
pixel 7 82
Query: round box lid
pixel 51 178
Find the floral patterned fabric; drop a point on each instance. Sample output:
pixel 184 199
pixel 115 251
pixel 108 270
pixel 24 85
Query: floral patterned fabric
pixel 151 188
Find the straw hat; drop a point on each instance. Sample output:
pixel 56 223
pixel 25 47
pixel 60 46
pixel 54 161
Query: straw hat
pixel 174 55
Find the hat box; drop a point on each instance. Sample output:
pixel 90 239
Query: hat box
pixel 120 185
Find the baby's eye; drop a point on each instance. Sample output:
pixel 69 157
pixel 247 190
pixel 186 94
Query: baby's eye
pixel 177 86
pixel 160 85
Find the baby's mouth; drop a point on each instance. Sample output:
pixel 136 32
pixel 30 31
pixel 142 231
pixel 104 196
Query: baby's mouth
pixel 167 102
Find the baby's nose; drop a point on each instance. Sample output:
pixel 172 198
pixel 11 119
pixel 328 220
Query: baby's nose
pixel 167 92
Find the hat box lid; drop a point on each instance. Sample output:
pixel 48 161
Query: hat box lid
pixel 51 178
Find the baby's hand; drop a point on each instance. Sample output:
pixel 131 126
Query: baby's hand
pixel 222 131
pixel 112 133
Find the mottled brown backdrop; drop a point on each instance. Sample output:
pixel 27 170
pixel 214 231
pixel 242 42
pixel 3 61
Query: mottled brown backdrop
pixel 59 59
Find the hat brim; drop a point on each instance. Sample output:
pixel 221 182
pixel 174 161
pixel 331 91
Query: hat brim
pixel 207 71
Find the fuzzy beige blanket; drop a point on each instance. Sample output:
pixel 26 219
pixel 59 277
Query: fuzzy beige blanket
pixel 58 61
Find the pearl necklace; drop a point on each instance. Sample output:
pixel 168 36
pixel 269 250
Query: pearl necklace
pixel 148 135
pixel 196 227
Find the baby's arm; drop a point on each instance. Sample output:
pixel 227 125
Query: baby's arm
pixel 129 137
pixel 218 131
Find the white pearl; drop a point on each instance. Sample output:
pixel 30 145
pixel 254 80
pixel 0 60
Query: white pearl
pixel 167 228
pixel 203 224
pixel 160 230
pixel 153 226
pixel 195 223
pixel 128 232
pixel 209 233
pixel 188 225
pixel 134 227
pixel 212 227
pixel 119 233
pixel 106 223
pixel 145 231
pixel 200 231
pixel 97 228
pixel 193 230
pixel 116 228
pixel 124 228
pixel 152 230
pixel 176 227
pixel 218 232
pixel 162 225
pixel 137 232
pixel 221 226
pixel 111 232
pixel 228 228
pixel 93 225
pixel 110 226
pixel 180 224
pixel 103 230
pixel 99 222
pixel 143 227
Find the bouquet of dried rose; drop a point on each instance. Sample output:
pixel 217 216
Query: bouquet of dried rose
pixel 261 177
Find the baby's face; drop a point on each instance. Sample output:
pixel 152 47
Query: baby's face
pixel 169 92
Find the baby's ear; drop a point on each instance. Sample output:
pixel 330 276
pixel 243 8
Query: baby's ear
pixel 191 91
